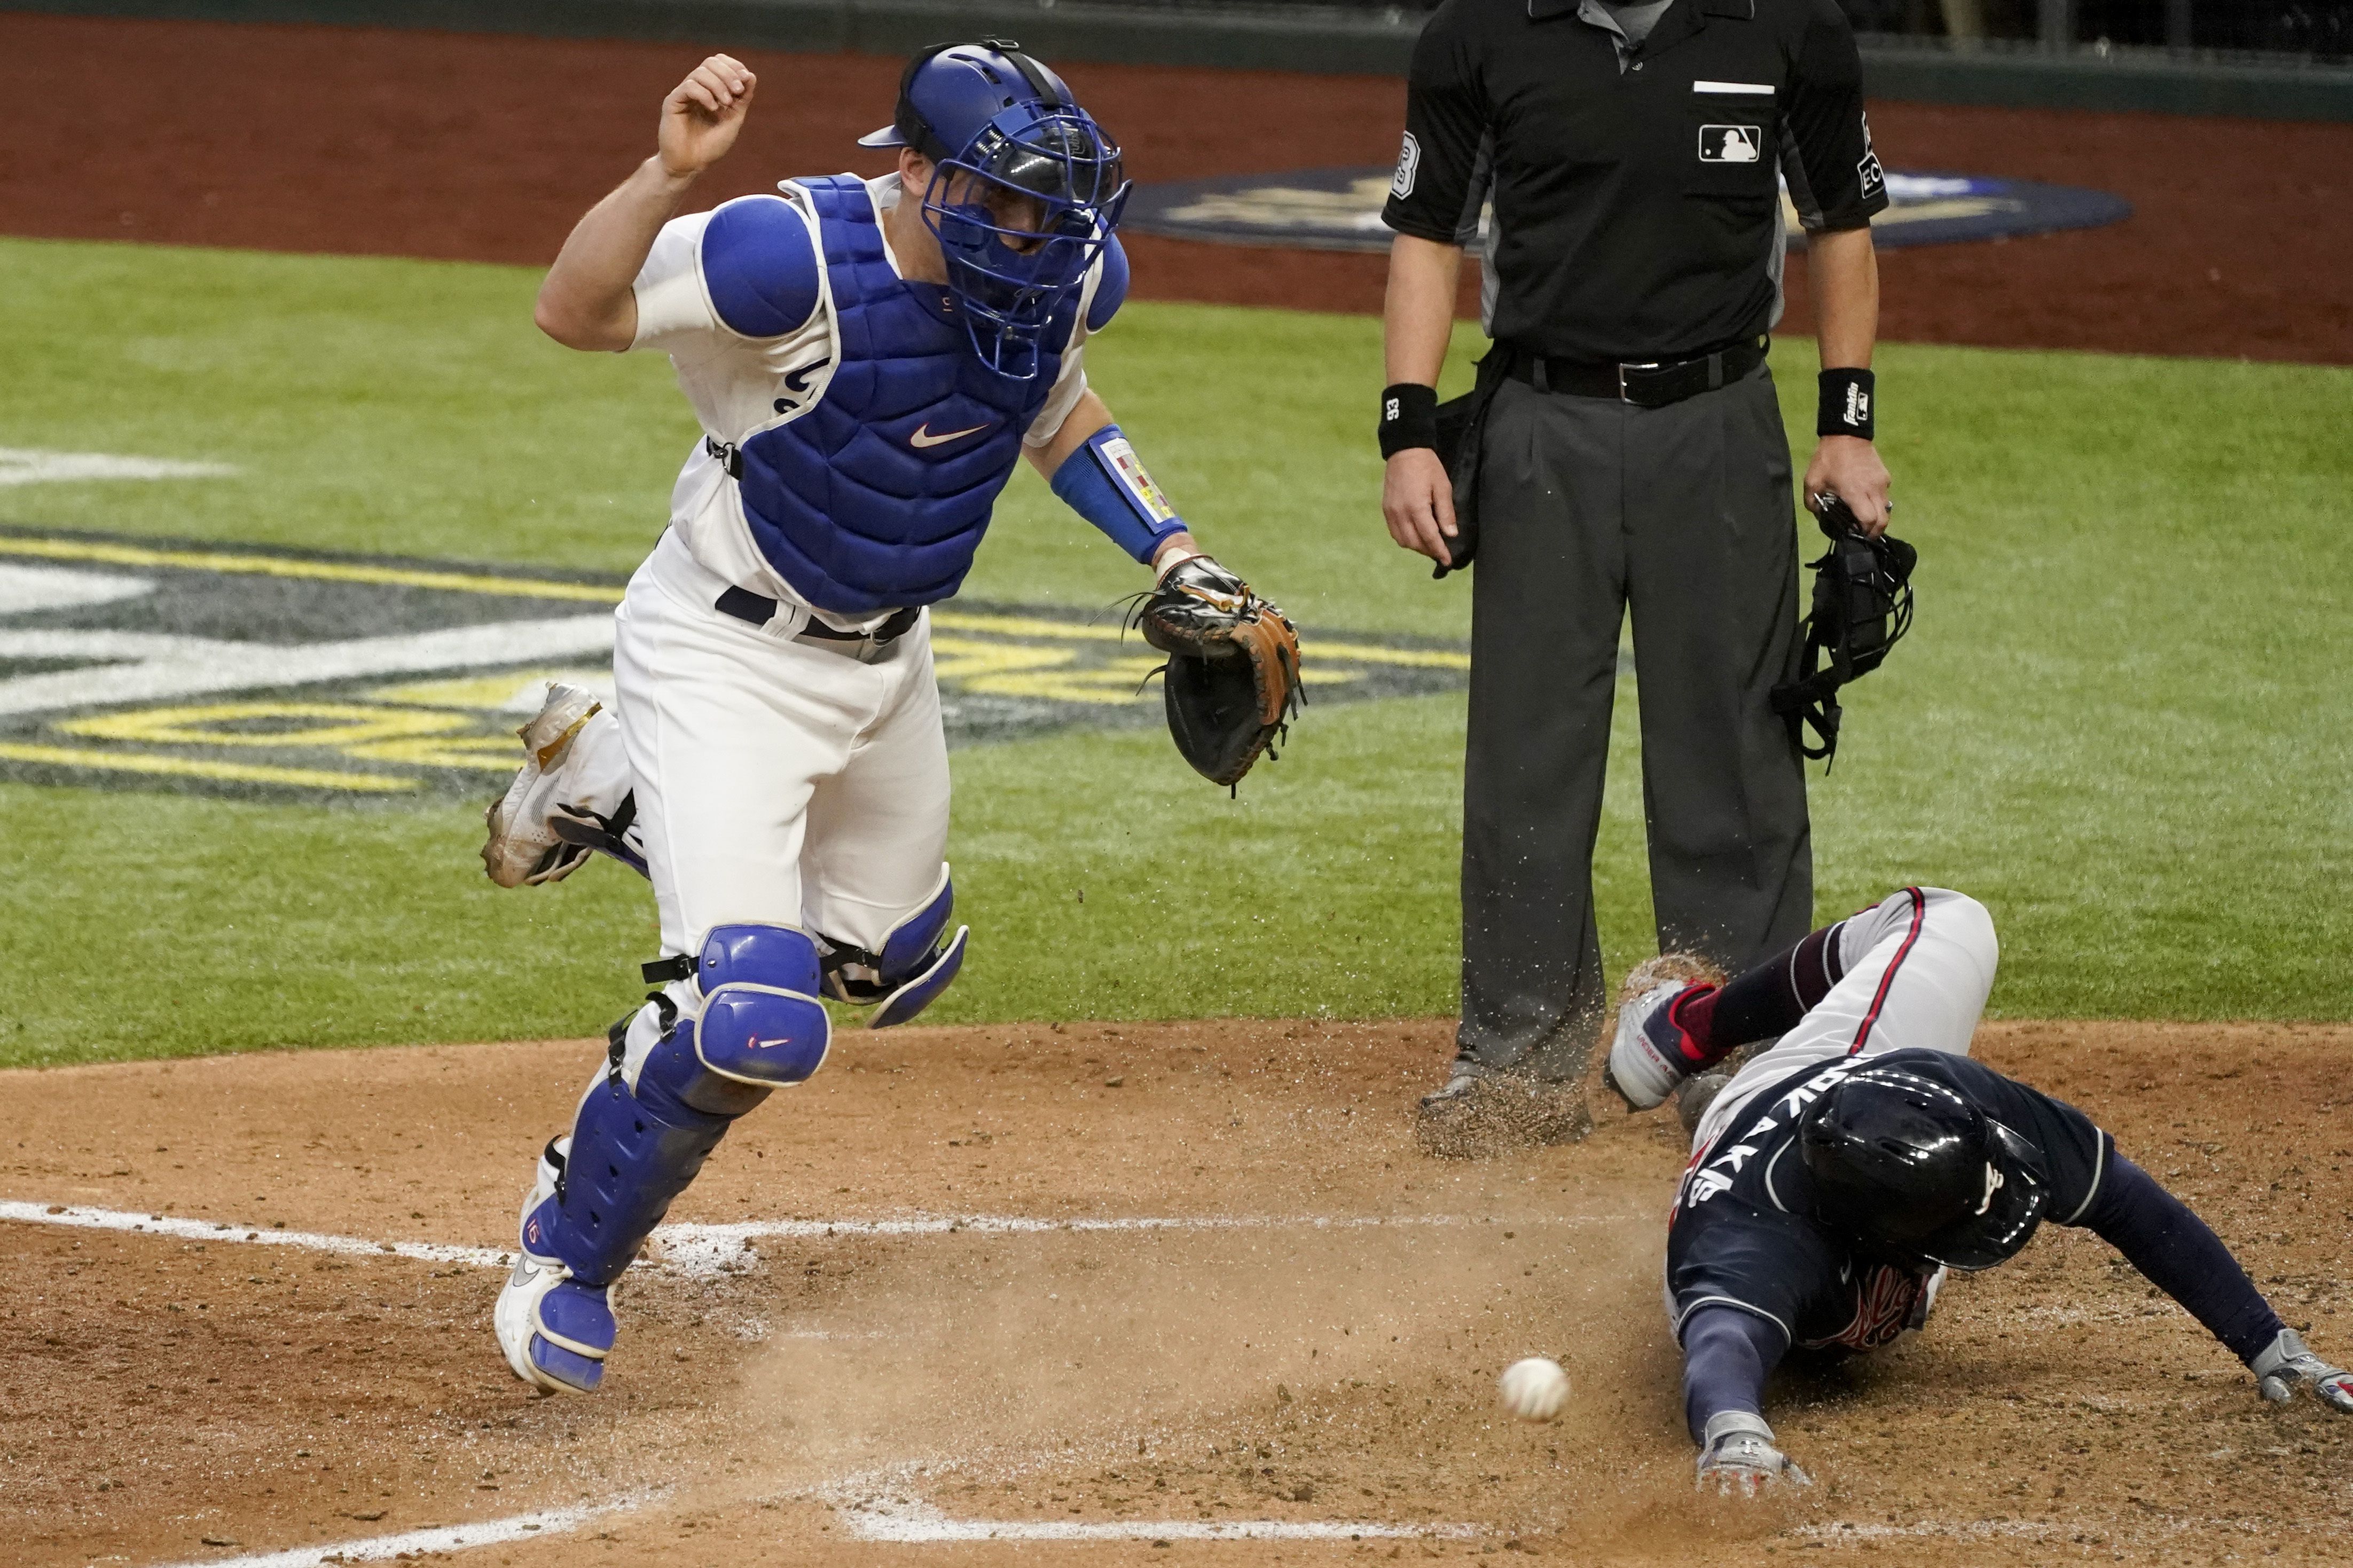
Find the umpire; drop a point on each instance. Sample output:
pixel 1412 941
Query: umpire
pixel 1628 451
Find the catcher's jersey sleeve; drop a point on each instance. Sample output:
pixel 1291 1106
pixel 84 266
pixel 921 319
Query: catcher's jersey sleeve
pixel 674 313
pixel 747 269
pixel 1100 298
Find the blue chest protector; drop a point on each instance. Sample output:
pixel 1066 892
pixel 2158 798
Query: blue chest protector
pixel 876 497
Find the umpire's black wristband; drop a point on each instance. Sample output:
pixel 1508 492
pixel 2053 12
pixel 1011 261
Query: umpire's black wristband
pixel 1409 417
pixel 1846 410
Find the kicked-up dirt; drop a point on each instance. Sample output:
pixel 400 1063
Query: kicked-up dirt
pixel 943 1316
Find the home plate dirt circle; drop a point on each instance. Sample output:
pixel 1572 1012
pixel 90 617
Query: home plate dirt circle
pixel 1135 1292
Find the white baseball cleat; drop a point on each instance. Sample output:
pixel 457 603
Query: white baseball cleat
pixel 1649 1055
pixel 522 847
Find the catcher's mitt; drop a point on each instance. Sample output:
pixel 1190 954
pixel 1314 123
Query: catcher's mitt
pixel 1233 666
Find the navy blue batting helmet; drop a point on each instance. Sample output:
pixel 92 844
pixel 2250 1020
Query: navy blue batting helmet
pixel 1913 1172
pixel 1026 188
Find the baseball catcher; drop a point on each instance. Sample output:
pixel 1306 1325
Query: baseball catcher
pixel 1843 1171
pixel 869 359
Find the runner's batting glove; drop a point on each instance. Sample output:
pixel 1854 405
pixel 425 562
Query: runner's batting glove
pixel 2285 1365
pixel 1737 1457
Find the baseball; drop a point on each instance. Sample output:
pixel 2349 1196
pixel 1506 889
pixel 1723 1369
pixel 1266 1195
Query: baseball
pixel 1534 1389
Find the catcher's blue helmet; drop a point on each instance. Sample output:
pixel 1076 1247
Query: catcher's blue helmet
pixel 993 120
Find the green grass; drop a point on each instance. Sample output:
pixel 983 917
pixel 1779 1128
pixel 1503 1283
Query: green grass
pixel 2122 719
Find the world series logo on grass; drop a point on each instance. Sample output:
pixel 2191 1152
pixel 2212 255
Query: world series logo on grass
pixel 229 670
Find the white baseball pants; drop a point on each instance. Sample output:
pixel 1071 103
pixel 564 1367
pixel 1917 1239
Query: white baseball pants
pixel 777 780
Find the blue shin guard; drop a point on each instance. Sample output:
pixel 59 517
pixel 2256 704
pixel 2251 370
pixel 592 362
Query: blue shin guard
pixel 635 1149
pixel 910 971
pixel 918 991
pixel 632 1154
pixel 635 1146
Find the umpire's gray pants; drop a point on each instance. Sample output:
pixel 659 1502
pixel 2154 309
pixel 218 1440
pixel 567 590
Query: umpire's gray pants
pixel 1587 505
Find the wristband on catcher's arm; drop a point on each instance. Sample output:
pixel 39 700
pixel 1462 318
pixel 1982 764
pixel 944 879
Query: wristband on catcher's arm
pixel 1409 418
pixel 1105 483
pixel 1846 405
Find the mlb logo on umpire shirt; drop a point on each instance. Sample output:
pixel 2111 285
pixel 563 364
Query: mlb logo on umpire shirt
pixel 1728 144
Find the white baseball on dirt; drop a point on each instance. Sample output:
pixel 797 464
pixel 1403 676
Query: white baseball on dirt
pixel 1534 1389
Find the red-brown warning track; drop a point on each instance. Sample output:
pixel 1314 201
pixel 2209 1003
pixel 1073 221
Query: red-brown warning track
pixel 156 1391
pixel 488 148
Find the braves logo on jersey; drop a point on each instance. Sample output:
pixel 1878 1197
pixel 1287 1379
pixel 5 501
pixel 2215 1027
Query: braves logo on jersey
pixel 1886 1300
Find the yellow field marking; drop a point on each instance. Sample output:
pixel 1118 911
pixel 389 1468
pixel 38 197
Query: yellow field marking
pixel 191 767
pixel 322 571
pixel 1118 681
pixel 1023 626
pixel 963 660
pixel 487 693
pixel 1035 627
pixel 1371 653
pixel 493 753
pixel 338 724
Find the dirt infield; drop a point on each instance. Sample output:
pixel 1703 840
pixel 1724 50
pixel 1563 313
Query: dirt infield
pixel 1058 1367
pixel 488 148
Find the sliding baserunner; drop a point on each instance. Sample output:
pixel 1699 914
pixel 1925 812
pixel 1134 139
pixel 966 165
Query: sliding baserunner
pixel 1840 1173
pixel 869 359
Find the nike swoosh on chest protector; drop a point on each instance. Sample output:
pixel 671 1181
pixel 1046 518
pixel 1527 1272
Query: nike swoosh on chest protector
pixel 923 437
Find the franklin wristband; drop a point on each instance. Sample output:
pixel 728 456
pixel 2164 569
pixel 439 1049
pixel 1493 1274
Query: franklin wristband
pixel 1409 417
pixel 1103 482
pixel 1846 403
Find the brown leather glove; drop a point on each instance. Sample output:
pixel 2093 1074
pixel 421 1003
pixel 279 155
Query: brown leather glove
pixel 1232 682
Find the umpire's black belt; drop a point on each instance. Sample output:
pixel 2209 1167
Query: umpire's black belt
pixel 1644 385
pixel 759 609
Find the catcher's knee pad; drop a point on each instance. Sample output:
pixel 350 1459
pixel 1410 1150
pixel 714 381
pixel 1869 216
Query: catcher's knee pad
pixel 761 1022
pixel 633 1151
pixel 912 967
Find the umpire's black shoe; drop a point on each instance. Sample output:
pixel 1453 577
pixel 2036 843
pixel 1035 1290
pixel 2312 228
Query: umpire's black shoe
pixel 1482 1111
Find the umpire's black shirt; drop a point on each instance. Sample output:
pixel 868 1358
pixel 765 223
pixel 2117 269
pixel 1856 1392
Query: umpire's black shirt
pixel 1636 216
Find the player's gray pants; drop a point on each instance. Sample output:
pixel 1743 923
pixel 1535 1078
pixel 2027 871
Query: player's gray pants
pixel 1919 966
pixel 1587 505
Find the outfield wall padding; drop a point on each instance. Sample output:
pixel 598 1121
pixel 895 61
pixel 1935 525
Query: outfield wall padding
pixel 1323 41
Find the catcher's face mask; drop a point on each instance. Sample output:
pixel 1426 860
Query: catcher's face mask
pixel 1021 214
pixel 1026 188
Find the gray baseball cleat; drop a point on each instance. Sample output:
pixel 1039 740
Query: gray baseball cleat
pixel 523 848
pixel 1649 1056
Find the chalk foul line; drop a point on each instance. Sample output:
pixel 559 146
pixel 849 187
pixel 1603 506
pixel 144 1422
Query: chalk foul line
pixel 906 1521
pixel 416 1542
pixel 89 1219
pixel 29 466
pixel 900 1521
pixel 883 1506
pixel 703 1251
